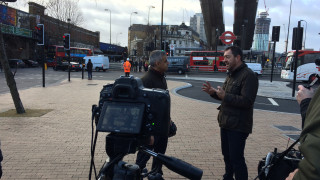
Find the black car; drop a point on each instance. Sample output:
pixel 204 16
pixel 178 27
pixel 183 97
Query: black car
pixel 31 63
pixel 178 64
pixel 74 66
pixel 16 63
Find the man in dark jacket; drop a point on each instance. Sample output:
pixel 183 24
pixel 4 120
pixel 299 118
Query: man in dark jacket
pixel 155 78
pixel 89 69
pixel 235 112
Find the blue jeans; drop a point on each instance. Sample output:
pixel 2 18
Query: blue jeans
pixel 89 74
pixel 232 146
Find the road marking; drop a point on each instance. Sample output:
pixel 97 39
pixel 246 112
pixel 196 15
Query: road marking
pixel 273 102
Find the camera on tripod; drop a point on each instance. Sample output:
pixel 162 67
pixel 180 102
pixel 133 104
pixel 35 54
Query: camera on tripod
pixel 131 114
pixel 127 107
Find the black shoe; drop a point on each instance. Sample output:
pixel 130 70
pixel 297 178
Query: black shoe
pixel 158 176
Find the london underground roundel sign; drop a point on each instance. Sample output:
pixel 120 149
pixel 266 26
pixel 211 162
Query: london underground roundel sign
pixel 227 37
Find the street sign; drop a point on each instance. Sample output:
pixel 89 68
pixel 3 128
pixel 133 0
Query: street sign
pixel 227 37
pixel 171 46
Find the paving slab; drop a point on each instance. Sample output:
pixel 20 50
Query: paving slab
pixel 57 144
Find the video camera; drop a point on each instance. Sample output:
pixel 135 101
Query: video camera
pixel 131 114
pixel 126 107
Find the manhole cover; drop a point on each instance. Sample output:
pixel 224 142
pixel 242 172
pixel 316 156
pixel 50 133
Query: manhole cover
pixel 287 128
pixel 293 136
pixel 92 84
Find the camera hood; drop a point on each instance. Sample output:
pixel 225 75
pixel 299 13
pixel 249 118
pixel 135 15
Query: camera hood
pixel 126 87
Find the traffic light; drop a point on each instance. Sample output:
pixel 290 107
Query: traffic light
pixel 167 47
pixel 66 41
pixel 297 38
pixel 40 34
pixel 275 33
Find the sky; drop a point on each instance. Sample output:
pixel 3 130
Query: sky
pixel 178 11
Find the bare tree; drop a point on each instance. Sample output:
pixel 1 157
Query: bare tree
pixel 9 76
pixel 64 10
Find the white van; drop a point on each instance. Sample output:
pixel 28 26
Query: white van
pixel 99 62
pixel 255 67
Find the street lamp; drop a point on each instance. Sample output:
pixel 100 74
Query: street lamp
pixel 149 12
pixel 117 37
pixel 110 22
pixel 129 45
pixel 305 34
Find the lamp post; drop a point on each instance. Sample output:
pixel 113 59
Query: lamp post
pixel 117 37
pixel 285 42
pixel 305 34
pixel 215 59
pixel 149 12
pixel 129 45
pixel 110 22
pixel 68 51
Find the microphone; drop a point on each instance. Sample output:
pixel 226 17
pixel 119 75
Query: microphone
pixel 177 165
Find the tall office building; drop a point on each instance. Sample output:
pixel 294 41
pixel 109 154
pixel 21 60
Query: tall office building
pixel 261 32
pixel 197 24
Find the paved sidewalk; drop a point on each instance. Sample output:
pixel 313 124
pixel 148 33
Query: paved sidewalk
pixel 57 145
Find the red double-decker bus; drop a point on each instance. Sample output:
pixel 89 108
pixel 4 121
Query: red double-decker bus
pixel 58 54
pixel 207 61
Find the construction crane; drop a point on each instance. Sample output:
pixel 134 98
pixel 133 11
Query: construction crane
pixel 265 7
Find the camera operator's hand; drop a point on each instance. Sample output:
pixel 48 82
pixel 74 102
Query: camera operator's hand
pixel 291 175
pixel 151 140
pixel 304 93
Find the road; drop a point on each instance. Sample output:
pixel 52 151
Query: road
pixel 32 77
pixel 263 103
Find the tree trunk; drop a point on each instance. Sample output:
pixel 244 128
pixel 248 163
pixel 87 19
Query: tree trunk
pixel 9 77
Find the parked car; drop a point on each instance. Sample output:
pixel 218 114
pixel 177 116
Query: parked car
pixel 255 67
pixel 16 63
pixel 74 66
pixel 179 64
pixel 31 63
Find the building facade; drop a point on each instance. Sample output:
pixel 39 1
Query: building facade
pixel 179 38
pixel 197 24
pixel 18 29
pixel 261 33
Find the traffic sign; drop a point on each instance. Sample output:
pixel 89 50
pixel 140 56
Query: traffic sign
pixel 227 37
pixel 171 46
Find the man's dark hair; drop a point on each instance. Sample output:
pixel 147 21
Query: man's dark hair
pixel 235 51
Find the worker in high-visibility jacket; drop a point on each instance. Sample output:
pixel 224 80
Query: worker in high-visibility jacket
pixel 127 67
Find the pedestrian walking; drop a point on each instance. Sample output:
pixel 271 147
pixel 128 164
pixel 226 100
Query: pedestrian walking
pixel 140 65
pixel 89 69
pixel 235 116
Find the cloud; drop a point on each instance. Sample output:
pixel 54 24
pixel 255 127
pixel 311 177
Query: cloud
pixel 177 11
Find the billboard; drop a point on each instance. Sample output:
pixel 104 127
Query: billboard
pixel 8 15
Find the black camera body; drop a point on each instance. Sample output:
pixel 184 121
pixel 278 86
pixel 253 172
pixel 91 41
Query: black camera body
pixel 126 107
pixel 131 114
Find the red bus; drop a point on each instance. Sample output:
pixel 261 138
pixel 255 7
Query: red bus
pixel 207 60
pixel 58 54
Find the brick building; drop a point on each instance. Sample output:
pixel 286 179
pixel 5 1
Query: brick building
pixel 18 32
pixel 142 39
